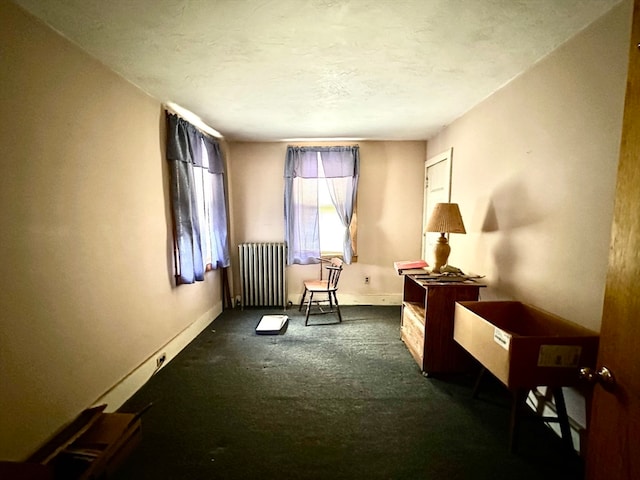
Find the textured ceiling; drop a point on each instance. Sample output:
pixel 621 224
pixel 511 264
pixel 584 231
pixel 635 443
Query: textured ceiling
pixel 283 69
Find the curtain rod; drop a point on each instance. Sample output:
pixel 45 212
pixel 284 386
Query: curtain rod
pixel 192 118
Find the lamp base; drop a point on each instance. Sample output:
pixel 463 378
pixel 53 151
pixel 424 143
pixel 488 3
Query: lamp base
pixel 441 253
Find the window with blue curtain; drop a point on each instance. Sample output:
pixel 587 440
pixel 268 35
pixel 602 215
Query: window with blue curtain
pixel 305 167
pixel 198 201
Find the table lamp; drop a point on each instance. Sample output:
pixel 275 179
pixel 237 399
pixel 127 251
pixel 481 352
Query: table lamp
pixel 445 218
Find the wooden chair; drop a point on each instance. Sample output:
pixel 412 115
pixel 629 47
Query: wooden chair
pixel 327 287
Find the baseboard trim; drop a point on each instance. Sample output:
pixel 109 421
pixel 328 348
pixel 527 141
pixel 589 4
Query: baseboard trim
pixel 394 299
pixel 134 380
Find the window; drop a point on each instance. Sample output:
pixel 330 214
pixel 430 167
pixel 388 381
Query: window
pixel 198 201
pixel 320 192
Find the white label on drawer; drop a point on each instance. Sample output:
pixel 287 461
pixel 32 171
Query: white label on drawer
pixel 502 338
pixel 559 355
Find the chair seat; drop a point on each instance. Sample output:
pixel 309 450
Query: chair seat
pixel 318 286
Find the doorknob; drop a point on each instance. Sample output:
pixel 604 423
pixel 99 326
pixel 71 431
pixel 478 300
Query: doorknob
pixel 603 376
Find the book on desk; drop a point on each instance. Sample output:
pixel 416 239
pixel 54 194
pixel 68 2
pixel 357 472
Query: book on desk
pixel 409 267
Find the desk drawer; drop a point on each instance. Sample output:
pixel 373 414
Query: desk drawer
pixel 524 346
pixel 413 330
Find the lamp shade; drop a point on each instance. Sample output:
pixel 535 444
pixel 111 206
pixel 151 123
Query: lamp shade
pixel 445 218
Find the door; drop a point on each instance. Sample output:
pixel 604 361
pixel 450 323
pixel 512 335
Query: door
pixel 437 189
pixel 613 451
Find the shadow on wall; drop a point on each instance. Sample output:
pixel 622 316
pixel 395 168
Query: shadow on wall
pixel 510 211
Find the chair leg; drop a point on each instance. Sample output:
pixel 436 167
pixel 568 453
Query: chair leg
pixel 335 298
pixel 306 320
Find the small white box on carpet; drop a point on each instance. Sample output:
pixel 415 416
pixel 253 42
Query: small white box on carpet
pixel 272 324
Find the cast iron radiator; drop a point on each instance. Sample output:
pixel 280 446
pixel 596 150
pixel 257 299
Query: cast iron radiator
pixel 262 274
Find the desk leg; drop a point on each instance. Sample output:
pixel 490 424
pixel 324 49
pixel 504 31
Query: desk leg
pixel 519 397
pixel 563 418
pixel 226 290
pixel 479 378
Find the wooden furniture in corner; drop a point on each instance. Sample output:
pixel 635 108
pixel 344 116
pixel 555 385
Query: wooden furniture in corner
pixel 427 323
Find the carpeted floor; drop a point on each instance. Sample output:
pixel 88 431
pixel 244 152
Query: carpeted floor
pixel 332 401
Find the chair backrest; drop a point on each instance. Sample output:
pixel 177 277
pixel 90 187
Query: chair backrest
pixel 334 269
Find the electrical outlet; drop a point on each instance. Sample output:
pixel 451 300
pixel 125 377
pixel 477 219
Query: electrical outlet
pixel 366 280
pixel 161 359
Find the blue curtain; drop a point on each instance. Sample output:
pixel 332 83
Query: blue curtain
pixel 198 200
pixel 341 172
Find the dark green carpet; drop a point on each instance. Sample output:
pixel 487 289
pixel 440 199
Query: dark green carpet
pixel 340 401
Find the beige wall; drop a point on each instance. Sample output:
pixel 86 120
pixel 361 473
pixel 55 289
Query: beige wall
pixel 534 171
pixel 86 290
pixel 389 213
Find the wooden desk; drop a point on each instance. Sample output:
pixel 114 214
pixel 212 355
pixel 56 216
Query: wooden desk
pixel 427 323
